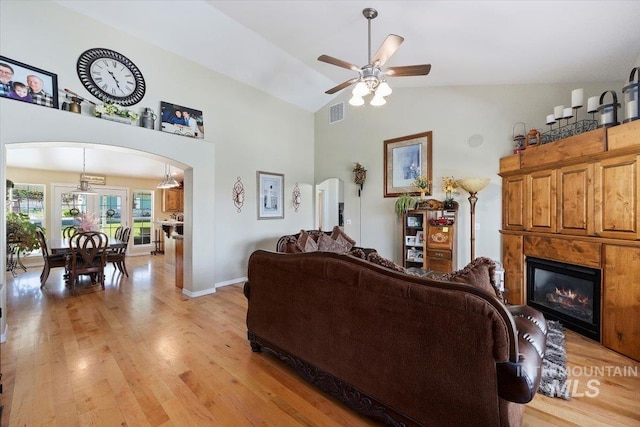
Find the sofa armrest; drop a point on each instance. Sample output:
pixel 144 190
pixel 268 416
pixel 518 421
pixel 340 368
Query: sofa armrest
pixel 519 381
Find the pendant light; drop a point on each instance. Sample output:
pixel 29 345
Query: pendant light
pixel 168 181
pixel 84 187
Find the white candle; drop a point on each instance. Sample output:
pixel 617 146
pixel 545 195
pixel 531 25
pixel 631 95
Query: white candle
pixel 551 119
pixel 567 113
pixel 632 110
pixel 607 116
pixel 577 96
pixel 557 111
pixel 592 104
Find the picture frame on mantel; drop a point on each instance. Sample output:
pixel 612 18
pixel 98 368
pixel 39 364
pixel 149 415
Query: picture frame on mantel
pixel 15 77
pixel 181 120
pixel 405 159
pixel 270 195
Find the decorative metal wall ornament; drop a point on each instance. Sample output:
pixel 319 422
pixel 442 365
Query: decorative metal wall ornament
pixel 296 197
pixel 359 176
pixel 238 194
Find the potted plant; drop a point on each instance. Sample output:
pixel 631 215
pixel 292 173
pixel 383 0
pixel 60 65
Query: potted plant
pixel 423 183
pixel 405 203
pixel 22 231
pixel 449 186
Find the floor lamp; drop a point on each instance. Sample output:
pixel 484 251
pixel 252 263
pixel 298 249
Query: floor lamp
pixel 473 187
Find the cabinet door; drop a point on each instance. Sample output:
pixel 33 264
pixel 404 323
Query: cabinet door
pixel 541 201
pixel 621 300
pixel 172 200
pixel 513 203
pixel 617 182
pixel 513 264
pixel 575 199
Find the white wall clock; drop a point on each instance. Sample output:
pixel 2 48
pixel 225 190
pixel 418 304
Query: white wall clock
pixel 111 76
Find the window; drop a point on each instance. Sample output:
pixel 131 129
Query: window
pixel 29 199
pixel 142 217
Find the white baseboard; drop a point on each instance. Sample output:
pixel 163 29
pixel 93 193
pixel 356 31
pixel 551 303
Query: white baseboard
pixel 209 291
pixel 231 282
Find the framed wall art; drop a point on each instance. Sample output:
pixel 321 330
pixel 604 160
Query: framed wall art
pixel 405 159
pixel 181 120
pixel 270 195
pixel 25 83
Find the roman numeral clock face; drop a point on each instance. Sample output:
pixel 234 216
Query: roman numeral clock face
pixel 111 77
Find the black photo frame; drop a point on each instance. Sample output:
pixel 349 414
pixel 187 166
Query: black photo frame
pixel 22 74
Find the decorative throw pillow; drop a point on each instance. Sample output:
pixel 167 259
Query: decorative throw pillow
pixel 344 242
pixel 327 244
pixel 337 231
pixel 377 259
pixel 306 242
pixel 358 253
pixel 480 273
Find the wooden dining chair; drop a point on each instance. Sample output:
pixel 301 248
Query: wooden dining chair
pixel 118 256
pixel 118 233
pixel 88 256
pixel 67 232
pixel 50 261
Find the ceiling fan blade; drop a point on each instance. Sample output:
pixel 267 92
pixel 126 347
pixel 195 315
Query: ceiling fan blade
pixel 409 70
pixel 342 86
pixel 388 48
pixel 340 63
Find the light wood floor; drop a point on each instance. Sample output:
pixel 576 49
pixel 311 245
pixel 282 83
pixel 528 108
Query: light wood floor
pixel 140 353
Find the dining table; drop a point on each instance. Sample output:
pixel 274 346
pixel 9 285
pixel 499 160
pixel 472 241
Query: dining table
pixel 61 246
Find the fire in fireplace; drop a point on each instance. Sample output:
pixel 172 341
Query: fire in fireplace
pixel 565 292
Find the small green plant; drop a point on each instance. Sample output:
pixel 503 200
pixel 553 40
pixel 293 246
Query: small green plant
pixel 405 203
pixel 22 231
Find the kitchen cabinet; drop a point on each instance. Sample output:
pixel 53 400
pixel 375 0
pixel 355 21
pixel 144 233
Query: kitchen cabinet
pixel 173 200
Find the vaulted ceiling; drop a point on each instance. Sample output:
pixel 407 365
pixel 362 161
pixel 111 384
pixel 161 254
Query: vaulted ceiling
pixel 274 45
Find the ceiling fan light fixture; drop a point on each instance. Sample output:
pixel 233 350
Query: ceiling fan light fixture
pixel 378 100
pixel 356 101
pixel 361 89
pixel 384 89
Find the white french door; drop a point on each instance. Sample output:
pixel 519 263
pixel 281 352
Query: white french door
pixel 109 209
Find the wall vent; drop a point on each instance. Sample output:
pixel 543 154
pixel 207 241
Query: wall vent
pixel 336 112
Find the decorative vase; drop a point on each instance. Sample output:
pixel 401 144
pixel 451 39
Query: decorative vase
pixel 422 194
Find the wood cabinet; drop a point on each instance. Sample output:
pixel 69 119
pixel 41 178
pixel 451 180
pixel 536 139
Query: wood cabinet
pixel 429 238
pixel 172 200
pixel 513 207
pixel 617 183
pixel 513 264
pixel 577 201
pixel 541 201
pixel 621 300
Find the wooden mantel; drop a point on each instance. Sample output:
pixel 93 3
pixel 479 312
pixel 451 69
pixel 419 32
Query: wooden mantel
pixel 577 200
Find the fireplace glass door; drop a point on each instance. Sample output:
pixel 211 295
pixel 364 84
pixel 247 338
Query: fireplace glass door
pixel 565 292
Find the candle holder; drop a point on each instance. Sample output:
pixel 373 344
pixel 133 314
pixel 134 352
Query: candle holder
pixel 631 98
pixel 609 111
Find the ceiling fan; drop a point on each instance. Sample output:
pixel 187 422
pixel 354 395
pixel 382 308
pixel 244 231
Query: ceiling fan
pixel 372 78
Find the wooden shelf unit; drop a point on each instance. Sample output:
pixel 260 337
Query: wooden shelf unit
pixel 433 246
pixel 577 201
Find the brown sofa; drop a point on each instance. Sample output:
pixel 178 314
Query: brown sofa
pixel 403 349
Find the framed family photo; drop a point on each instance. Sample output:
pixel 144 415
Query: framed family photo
pixel 405 159
pixel 26 83
pixel 181 120
pixel 270 195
